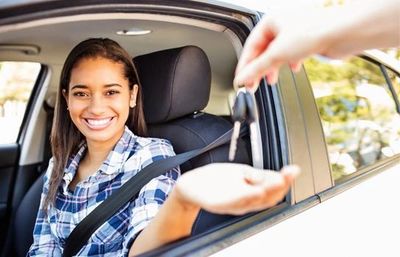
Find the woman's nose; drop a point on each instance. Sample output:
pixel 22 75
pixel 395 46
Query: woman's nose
pixel 97 105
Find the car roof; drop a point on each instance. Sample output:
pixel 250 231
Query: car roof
pixel 235 5
pixel 384 58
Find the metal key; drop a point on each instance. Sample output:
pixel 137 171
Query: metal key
pixel 251 119
pixel 238 116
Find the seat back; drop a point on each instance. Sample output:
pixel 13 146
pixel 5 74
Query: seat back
pixel 176 87
pixel 25 217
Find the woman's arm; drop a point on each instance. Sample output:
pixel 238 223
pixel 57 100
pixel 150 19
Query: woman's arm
pixel 173 221
pixel 223 188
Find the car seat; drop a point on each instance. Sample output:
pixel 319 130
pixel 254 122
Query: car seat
pixel 176 87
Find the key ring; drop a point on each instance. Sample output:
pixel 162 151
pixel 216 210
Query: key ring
pixel 245 110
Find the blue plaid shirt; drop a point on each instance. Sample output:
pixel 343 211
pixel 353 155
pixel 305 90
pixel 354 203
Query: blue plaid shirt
pixel 113 238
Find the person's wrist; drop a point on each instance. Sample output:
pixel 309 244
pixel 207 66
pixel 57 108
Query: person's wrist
pixel 337 32
pixel 325 36
pixel 183 202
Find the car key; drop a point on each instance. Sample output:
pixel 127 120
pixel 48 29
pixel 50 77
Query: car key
pixel 238 116
pixel 251 119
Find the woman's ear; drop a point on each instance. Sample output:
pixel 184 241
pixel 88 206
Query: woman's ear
pixel 65 94
pixel 133 96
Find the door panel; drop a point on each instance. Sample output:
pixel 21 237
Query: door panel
pixel 8 158
pixel 361 221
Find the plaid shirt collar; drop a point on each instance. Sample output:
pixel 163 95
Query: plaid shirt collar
pixel 114 161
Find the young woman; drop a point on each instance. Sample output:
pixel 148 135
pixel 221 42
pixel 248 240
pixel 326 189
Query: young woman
pixel 98 144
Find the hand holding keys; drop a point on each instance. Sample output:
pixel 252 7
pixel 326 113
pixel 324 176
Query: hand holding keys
pixel 245 110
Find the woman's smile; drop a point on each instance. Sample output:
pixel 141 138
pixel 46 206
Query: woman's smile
pixel 99 124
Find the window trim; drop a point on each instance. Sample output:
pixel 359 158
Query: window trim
pixel 31 103
pixel 359 176
pixel 383 69
pixel 391 87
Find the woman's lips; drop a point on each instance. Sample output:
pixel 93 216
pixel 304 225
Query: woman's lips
pixel 98 124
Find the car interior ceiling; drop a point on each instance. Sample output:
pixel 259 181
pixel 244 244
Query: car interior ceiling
pixel 210 73
pixel 53 37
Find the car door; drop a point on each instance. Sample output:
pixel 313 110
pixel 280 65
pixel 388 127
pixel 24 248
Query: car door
pixel 356 107
pixel 19 81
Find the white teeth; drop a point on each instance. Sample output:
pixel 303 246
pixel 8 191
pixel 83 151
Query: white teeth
pixel 98 122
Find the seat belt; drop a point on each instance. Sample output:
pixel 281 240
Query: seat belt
pixel 130 190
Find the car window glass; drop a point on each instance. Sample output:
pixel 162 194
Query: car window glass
pixel 395 79
pixel 357 112
pixel 16 83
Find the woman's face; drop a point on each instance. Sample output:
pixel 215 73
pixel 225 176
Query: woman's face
pixel 99 99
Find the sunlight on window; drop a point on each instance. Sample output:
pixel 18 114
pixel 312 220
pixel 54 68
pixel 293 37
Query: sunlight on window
pixel 16 83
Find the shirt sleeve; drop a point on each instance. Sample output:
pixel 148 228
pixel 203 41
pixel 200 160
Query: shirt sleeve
pixel 152 195
pixel 44 242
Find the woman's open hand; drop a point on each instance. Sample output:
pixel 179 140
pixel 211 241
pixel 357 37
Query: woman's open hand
pixel 228 188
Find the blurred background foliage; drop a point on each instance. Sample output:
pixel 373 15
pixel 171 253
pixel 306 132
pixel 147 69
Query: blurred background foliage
pixel 357 111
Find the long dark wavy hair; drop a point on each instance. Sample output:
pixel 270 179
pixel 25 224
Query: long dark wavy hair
pixel 65 137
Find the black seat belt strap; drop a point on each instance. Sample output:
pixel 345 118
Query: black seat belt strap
pixel 84 230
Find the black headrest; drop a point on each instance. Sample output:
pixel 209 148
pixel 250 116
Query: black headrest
pixel 175 82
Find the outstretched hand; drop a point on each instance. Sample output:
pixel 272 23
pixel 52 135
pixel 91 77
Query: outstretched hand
pixel 292 35
pixel 285 38
pixel 227 188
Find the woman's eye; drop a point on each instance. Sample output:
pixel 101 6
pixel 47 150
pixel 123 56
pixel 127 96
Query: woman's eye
pixel 112 92
pixel 80 94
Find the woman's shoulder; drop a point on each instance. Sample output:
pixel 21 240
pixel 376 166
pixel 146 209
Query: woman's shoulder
pixel 149 149
pixel 153 142
pixel 49 168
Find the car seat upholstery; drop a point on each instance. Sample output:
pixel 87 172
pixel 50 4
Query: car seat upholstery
pixel 25 218
pixel 176 87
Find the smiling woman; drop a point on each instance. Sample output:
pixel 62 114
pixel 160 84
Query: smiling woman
pixel 99 95
pixel 82 75
pixel 98 145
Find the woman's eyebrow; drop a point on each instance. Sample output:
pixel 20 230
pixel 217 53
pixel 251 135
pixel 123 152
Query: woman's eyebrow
pixel 112 85
pixel 86 87
pixel 79 87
